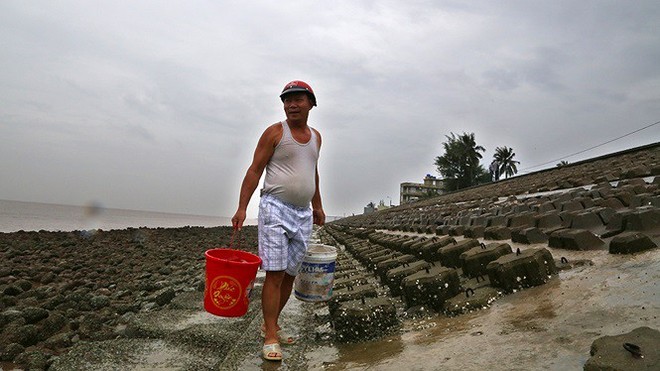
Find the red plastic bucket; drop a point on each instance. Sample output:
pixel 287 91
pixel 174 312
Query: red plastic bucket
pixel 230 278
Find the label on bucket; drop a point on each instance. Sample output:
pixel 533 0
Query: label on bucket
pixel 225 292
pixel 314 282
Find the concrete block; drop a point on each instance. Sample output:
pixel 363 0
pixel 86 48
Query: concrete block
pixel 456 230
pixel 546 206
pixel 611 202
pixel 630 243
pixel 395 276
pixel 586 202
pixel 428 251
pixel 586 220
pixel 364 319
pixel 635 350
pixel 449 255
pixel 575 239
pixel 405 246
pixel 498 220
pixel 548 220
pixel 383 267
pixel 471 300
pixel 374 261
pixel 475 260
pixel 351 292
pixel 529 236
pixel 604 213
pixel 626 198
pixel 646 219
pixel 474 231
pixel 570 206
pixel 497 233
pixel 431 286
pixel 531 267
pixel 521 220
pixel 636 172
pixel 341 283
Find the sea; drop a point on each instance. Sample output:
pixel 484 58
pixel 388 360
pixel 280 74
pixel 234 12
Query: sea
pixel 33 216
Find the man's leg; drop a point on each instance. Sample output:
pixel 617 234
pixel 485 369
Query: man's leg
pixel 285 291
pixel 270 304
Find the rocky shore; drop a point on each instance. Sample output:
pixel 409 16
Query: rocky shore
pixel 58 289
pixel 132 299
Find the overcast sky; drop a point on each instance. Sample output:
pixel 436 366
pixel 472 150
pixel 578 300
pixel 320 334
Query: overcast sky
pixel 158 105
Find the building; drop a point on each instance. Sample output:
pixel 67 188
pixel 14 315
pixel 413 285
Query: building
pixel 370 208
pixel 411 192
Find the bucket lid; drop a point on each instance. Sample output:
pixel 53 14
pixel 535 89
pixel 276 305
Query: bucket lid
pixel 316 248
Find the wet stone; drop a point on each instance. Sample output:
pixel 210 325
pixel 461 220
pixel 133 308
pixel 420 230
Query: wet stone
pixel 532 267
pixel 11 351
pixel 383 267
pixel 497 233
pixel 34 359
pixel 577 239
pixel 474 231
pixel 529 236
pixel 521 220
pixel 450 254
pixel 636 350
pixel 406 246
pixel 366 319
pixel 351 293
pixel 340 283
pixel 475 260
pixel 471 300
pixel 548 220
pixel 430 286
pixel 646 219
pixel 373 263
pixel 497 221
pixel 347 273
pixel 586 220
pixel 630 243
pixel 396 275
pixel 456 230
pixel 430 252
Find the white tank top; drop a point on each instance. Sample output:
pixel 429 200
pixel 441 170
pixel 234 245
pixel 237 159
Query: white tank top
pixel 291 171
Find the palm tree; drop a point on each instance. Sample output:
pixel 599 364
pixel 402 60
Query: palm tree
pixel 460 163
pixel 504 156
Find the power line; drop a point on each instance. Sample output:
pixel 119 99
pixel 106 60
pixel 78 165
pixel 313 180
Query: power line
pixel 590 148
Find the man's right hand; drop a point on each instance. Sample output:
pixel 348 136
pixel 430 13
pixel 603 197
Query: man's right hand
pixel 238 219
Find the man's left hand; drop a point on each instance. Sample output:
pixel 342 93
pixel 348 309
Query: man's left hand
pixel 319 216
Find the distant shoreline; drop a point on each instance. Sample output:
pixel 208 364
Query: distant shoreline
pixel 33 216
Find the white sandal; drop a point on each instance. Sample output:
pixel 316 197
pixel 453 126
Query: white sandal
pixel 284 337
pixel 272 352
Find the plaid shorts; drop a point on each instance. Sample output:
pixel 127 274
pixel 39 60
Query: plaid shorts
pixel 284 232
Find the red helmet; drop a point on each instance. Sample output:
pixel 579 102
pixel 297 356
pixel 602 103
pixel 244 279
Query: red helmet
pixel 299 86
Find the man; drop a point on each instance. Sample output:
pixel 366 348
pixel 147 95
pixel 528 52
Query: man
pixel 288 151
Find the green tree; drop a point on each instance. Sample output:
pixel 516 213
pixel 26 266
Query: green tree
pixel 460 166
pixel 504 156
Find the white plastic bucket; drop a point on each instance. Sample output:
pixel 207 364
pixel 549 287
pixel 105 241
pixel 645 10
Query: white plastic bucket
pixel 317 274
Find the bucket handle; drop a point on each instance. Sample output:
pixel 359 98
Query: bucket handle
pixel 231 241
